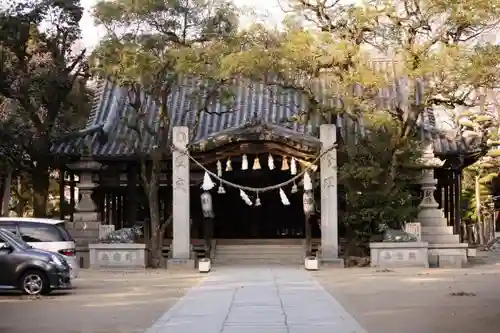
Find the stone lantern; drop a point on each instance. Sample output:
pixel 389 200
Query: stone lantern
pixel 445 248
pixel 428 162
pixel 86 209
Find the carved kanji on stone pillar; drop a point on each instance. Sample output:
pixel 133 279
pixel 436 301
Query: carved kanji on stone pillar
pixel 329 209
pixel 181 242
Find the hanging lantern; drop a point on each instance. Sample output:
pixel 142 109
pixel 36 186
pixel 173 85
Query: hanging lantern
pixel 284 164
pixel 221 189
pixel 307 182
pixel 257 201
pixel 270 162
pixel 206 205
pixel 293 166
pixel 256 163
pixel 228 165
pixel 219 168
pixel 244 162
pixel 308 203
pixel 294 188
pixel 283 197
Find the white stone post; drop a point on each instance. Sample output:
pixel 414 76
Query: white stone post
pixel 181 247
pixel 329 214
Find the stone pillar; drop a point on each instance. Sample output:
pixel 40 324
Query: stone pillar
pixel 329 213
pixel 181 242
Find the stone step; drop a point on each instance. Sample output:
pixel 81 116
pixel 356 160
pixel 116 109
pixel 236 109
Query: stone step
pixel 84 233
pixel 260 248
pixel 430 214
pixel 441 239
pixel 258 262
pixel 259 254
pixel 243 253
pixel 269 241
pixel 437 230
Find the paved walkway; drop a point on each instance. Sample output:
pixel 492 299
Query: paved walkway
pixel 251 300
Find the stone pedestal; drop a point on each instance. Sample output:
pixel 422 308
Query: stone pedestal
pixel 445 248
pixel 180 264
pixel 329 253
pixel 118 255
pixel 404 254
pixel 181 244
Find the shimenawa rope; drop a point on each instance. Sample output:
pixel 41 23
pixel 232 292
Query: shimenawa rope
pixel 255 189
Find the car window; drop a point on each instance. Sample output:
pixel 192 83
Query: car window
pixel 39 232
pixel 64 232
pixel 9 226
pixel 10 238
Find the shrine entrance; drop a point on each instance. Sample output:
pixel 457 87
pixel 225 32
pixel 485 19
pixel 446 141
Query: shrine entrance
pixel 235 219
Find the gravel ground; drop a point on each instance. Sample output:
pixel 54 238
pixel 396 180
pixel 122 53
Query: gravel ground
pixel 101 302
pixel 419 301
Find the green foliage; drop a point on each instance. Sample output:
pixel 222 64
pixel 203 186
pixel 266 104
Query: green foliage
pixel 150 41
pixel 42 85
pixel 377 183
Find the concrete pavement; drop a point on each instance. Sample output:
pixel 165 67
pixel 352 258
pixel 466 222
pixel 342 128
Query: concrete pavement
pixel 257 299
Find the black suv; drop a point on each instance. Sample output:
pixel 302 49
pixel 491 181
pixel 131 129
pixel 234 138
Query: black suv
pixel 32 271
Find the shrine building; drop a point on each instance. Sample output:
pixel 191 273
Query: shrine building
pixel 256 145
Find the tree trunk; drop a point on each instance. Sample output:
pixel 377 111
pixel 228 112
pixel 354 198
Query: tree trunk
pixel 40 179
pixel 481 233
pixel 6 193
pixel 155 241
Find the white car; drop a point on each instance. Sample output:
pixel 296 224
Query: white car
pixel 44 234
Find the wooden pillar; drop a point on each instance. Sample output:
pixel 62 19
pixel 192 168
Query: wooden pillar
pixel 132 196
pixel 457 203
pixel 114 209
pixel 72 201
pixel 451 201
pixel 446 198
pixel 62 199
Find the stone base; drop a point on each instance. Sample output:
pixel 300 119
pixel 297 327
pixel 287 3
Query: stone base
pixel 332 262
pixel 181 264
pixel 83 256
pixel 404 254
pixel 118 255
pixel 448 255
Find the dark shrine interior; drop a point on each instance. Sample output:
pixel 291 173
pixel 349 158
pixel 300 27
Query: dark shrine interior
pixel 235 219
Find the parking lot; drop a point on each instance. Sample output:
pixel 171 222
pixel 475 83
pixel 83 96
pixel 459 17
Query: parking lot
pixel 101 302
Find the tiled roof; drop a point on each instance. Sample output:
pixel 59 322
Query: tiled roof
pixel 110 136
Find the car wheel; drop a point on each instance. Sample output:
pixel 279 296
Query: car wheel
pixel 34 283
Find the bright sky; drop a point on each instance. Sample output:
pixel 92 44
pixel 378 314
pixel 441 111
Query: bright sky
pixel 92 34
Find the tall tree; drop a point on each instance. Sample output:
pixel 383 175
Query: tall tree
pixel 42 81
pixel 433 58
pixel 153 47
